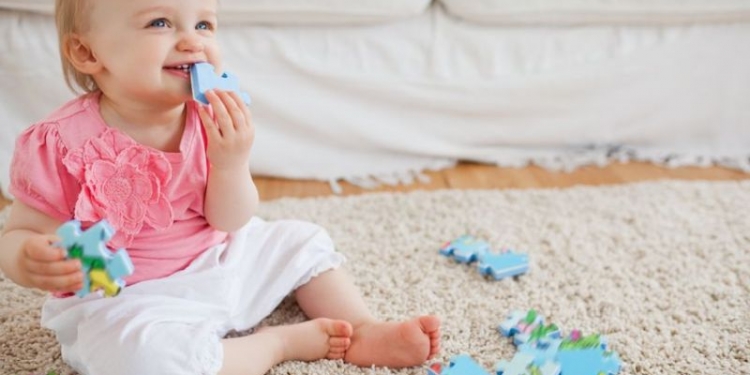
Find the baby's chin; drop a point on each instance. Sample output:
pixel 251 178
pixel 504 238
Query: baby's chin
pixel 177 98
pixel 187 97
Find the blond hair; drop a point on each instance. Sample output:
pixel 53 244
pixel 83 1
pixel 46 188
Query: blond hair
pixel 70 17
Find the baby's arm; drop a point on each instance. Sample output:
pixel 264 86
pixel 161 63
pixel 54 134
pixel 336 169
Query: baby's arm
pixel 231 195
pixel 27 256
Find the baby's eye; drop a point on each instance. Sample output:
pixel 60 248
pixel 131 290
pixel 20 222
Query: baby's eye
pixel 204 25
pixel 159 22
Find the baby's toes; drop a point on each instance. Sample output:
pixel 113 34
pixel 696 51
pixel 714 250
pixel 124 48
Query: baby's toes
pixel 337 347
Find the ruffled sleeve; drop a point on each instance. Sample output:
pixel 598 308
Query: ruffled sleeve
pixel 38 176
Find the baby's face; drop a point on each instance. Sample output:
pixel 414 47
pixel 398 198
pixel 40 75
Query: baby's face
pixel 147 46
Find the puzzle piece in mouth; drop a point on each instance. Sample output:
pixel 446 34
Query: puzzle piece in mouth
pixel 203 78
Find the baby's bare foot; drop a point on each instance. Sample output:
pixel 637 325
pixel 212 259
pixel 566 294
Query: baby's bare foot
pixel 395 344
pixel 312 340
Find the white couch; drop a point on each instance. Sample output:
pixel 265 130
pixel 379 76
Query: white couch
pixel 378 91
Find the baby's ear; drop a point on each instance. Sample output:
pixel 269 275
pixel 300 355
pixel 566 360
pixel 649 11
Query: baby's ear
pixel 80 55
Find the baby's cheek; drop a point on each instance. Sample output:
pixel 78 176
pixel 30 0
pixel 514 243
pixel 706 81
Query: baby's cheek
pixel 214 57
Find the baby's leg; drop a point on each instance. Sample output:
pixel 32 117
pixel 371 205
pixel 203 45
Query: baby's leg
pixel 374 342
pixel 309 341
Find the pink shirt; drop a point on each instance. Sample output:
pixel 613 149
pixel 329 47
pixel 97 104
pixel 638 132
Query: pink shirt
pixel 72 165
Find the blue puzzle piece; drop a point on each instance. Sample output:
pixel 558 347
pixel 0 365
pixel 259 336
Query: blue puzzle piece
pixel 540 334
pixel 508 327
pixel 525 327
pixel 120 265
pixel 503 265
pixel 594 361
pixel 576 340
pixel 520 321
pixel 574 354
pixel 102 270
pixel 463 365
pixel 465 249
pixel 203 78
pixel 543 351
pixel 523 364
pixel 546 347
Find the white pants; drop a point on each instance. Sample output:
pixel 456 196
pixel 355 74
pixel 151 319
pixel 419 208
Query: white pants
pixel 174 325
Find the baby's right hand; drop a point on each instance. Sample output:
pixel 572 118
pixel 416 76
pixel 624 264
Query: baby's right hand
pixel 45 266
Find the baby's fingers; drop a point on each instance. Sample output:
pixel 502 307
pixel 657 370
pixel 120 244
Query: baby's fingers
pixel 59 268
pixel 40 249
pixel 221 115
pixel 46 268
pixel 65 283
pixel 240 104
pixel 212 130
pixel 59 275
pixel 234 109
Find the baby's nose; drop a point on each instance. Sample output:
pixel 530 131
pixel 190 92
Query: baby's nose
pixel 190 43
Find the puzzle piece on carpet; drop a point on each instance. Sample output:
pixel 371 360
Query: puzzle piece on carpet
pixel 543 350
pixel 502 265
pixel 575 340
pixel 539 333
pixel 465 249
pixel 519 321
pixel 577 361
pixel 459 365
pixel 593 361
pixel 524 327
pixel 546 348
pixel 102 270
pixel 575 354
pixel 203 78
pixel 524 364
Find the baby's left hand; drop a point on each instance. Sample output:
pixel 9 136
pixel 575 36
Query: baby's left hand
pixel 230 132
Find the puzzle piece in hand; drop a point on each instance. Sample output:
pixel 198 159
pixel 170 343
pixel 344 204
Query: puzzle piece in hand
pixel 465 249
pixel 523 364
pixel 594 361
pixel 203 78
pixel 460 365
pixel 102 270
pixel 503 265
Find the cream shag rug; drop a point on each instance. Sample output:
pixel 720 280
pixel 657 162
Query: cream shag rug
pixel 661 268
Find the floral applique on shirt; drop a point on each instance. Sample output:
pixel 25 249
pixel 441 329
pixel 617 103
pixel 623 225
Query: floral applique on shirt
pixel 123 182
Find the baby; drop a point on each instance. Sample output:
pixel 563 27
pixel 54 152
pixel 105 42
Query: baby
pixel 171 176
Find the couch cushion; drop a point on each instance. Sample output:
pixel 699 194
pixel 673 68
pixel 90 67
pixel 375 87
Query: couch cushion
pixel 570 12
pixel 285 11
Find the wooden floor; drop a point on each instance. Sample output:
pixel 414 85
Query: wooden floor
pixel 475 176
